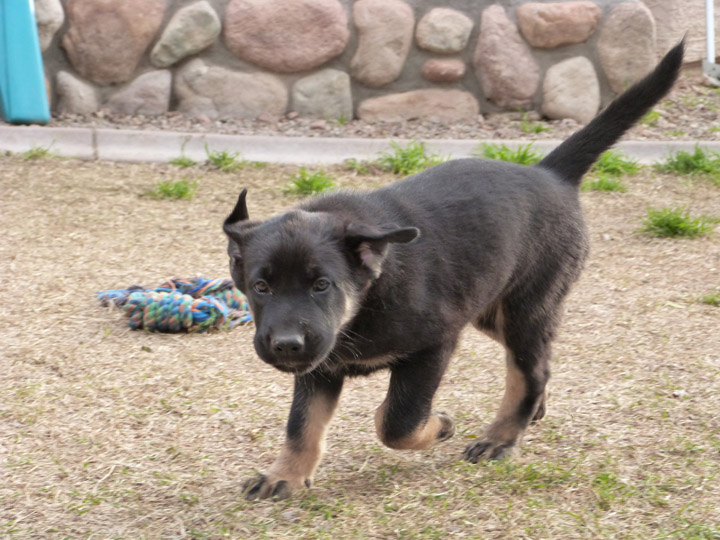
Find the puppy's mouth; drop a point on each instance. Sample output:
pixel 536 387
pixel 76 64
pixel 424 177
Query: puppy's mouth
pixel 296 369
pixel 298 365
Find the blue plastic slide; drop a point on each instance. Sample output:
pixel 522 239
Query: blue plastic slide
pixel 23 99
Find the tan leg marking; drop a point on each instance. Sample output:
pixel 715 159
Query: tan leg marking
pixel 296 463
pixel 423 437
pixel 496 333
pixel 505 427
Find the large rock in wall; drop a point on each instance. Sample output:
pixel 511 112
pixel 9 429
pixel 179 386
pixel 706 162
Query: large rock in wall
pixel 503 62
pixel 443 30
pixel 192 29
pixel 326 94
pixel 286 36
pixel 50 17
pixel 148 94
pixel 626 45
pixel 385 30
pixel 430 104
pixel 214 91
pixel 74 95
pixel 107 39
pixel 559 23
pixel 444 70
pixel 571 90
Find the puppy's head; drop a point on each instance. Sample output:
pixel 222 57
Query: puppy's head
pixel 304 275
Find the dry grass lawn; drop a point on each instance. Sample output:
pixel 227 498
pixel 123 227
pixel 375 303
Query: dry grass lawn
pixel 111 433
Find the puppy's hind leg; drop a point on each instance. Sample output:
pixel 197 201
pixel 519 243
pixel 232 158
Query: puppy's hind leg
pixel 527 339
pixel 404 420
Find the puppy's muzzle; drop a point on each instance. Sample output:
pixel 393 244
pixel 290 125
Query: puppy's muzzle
pixel 288 351
pixel 288 346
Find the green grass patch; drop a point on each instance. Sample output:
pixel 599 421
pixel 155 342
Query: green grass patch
pixel 613 163
pixel 651 118
pixel 224 160
pixel 711 299
pixel 174 189
pixel 357 166
pixel 38 152
pixel 230 161
pixel 606 172
pixel 530 126
pixel 699 162
pixel 183 161
pixel 603 182
pixel 696 531
pixel 698 101
pixel 677 222
pixel 610 489
pixel 412 159
pixel 523 155
pixel 521 479
pixel 309 183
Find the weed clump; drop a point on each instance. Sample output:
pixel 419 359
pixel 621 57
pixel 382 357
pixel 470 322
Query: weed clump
pixel 174 189
pixel 409 160
pixel 616 164
pixel 309 183
pixel 604 182
pixel 606 172
pixel 523 155
pixel 183 161
pixel 677 222
pixel 38 152
pixel 699 162
pixel 530 126
pixel 711 299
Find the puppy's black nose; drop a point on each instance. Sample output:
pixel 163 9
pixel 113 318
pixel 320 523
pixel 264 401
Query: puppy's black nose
pixel 288 344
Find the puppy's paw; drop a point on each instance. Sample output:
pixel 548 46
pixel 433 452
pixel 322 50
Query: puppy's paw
pixel 487 449
pixel 269 486
pixel 541 408
pixel 447 427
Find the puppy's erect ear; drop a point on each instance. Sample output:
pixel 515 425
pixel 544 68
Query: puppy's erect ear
pixel 239 213
pixel 371 243
pixel 237 227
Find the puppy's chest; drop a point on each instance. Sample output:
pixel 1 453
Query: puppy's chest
pixel 354 365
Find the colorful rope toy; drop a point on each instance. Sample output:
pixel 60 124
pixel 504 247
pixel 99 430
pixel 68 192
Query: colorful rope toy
pixel 181 305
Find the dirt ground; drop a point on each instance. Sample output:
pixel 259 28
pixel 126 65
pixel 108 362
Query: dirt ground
pixel 111 433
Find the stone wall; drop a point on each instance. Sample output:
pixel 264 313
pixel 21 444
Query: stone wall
pixel 338 59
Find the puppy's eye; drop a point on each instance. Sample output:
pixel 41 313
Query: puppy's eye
pixel 321 285
pixel 261 287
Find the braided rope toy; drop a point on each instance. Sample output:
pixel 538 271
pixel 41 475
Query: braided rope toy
pixel 181 305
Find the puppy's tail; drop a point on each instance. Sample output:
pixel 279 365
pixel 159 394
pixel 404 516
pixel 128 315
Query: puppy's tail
pixel 574 157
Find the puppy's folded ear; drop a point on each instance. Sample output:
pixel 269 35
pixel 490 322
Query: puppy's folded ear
pixel 371 243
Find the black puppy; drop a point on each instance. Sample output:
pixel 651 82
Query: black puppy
pixel 350 283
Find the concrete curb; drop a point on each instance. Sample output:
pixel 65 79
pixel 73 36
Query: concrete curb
pixel 162 146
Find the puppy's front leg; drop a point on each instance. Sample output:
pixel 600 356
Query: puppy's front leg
pixel 314 402
pixel 405 420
